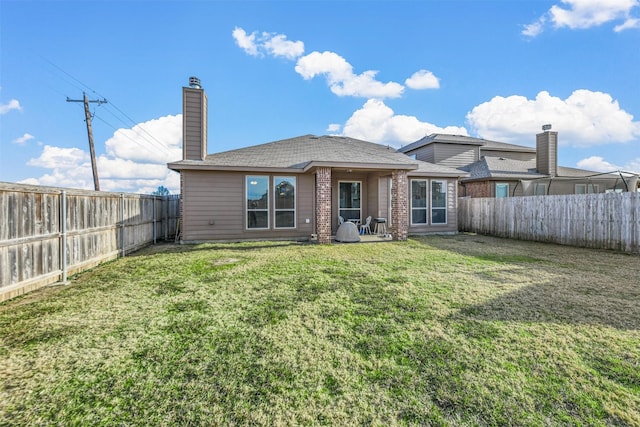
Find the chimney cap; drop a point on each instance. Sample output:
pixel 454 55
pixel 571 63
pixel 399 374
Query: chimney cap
pixel 194 82
pixel 546 127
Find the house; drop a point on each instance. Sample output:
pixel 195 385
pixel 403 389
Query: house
pixel 295 188
pixel 498 169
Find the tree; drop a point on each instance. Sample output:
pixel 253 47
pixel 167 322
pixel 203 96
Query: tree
pixel 161 191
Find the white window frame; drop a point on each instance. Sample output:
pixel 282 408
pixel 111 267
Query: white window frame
pixel 295 202
pixel 247 182
pixel 499 184
pixel 426 202
pixel 440 208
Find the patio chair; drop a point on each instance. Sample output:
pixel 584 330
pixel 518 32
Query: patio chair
pixel 366 227
pixel 340 219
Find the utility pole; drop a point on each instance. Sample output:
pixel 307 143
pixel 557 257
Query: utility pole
pixel 87 114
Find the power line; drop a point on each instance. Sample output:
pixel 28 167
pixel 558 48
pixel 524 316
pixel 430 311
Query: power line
pixel 153 141
pixel 149 138
pixel 165 149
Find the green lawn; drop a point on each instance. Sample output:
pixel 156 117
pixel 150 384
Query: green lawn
pixel 459 330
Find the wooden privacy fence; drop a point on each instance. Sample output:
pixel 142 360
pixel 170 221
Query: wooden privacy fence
pixel 604 221
pixel 49 233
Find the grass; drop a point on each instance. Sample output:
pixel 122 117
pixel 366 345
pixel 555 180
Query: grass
pixel 458 330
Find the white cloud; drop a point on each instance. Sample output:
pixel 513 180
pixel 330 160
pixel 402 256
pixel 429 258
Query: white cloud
pixel 423 79
pixel 267 43
pixel 534 28
pixel 23 139
pixel 334 127
pixel 582 14
pixel 155 141
pixel 599 164
pixel 278 45
pixel 338 72
pixel 60 158
pixel 117 168
pixel 627 25
pixel 376 122
pixel 585 118
pixel 341 79
pixel 135 160
pixel 246 41
pixel 14 104
pixel 332 65
pixel 590 13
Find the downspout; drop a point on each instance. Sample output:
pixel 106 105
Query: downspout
pixel 624 180
pixel 513 193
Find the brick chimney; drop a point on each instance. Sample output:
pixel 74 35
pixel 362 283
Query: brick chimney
pixel 547 151
pixel 194 121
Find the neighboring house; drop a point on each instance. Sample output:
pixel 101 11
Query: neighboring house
pixel 498 169
pixel 298 187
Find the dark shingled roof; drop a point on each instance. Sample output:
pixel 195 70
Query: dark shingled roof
pixel 498 167
pixel 486 144
pixel 503 146
pixel 308 150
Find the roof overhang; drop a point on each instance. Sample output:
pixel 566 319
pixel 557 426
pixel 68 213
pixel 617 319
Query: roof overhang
pixel 304 168
pixel 511 147
pixel 437 174
pixel 361 166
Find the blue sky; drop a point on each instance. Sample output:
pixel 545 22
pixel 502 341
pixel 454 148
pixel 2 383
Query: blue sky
pixel 384 71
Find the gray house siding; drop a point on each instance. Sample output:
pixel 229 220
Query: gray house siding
pixel 452 210
pixel 194 122
pixel 425 154
pixel 454 155
pixel 216 208
pixel 384 200
pixel 514 155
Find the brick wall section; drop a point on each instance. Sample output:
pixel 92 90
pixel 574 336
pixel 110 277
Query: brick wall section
pixel 323 204
pixel 478 189
pixel 399 205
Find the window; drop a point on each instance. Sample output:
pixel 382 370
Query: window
pixel 586 188
pixel 502 190
pixel 257 202
pixel 418 201
pixel 284 196
pixel 438 202
pixel 349 200
pixel 540 189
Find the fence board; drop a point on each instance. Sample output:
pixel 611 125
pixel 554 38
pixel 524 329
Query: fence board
pixel 604 221
pixel 31 236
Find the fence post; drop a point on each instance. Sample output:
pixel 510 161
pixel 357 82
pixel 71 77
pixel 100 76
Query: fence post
pixel 63 236
pixel 154 220
pixel 122 232
pixel 165 214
